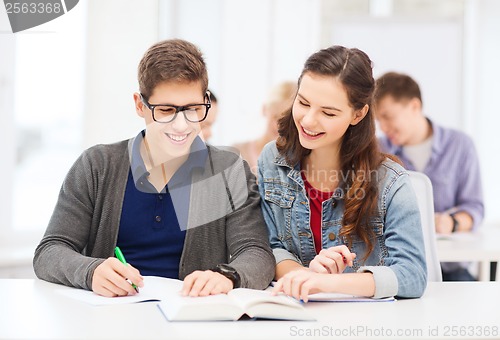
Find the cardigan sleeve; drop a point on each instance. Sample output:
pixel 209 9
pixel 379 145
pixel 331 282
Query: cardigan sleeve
pixel 247 237
pixel 58 258
pixel 83 228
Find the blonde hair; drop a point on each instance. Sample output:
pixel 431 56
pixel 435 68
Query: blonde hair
pixel 283 92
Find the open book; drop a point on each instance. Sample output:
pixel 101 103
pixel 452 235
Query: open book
pixel 232 306
pixel 238 302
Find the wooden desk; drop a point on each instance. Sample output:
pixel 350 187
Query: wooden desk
pixel 31 309
pixel 482 246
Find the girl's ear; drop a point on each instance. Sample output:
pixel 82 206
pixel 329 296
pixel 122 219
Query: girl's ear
pixel 139 105
pixel 359 115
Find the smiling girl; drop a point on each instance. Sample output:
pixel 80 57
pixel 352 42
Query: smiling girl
pixel 341 216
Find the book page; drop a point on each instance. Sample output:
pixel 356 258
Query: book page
pixel 94 299
pixel 207 308
pixel 247 297
pixel 155 288
pixel 262 304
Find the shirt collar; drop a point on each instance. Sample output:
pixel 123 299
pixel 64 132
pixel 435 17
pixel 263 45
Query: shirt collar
pixel 137 165
pixel 197 158
pixel 437 137
pixel 437 142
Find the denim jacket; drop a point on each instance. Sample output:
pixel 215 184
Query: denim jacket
pixel 398 258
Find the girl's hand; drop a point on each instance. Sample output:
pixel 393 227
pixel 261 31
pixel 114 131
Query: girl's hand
pixel 113 278
pixel 333 260
pixel 301 283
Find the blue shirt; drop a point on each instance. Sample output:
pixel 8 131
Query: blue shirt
pixel 453 170
pixel 153 224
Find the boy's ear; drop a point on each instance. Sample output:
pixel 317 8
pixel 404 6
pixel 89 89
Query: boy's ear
pixel 139 105
pixel 415 104
pixel 360 114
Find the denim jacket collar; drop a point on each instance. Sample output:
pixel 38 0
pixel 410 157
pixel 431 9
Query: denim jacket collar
pixel 294 175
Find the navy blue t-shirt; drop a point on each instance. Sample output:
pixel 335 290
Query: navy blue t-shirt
pixel 153 226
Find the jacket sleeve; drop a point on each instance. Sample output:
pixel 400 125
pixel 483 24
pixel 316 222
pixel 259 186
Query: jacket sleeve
pixel 404 272
pixel 58 258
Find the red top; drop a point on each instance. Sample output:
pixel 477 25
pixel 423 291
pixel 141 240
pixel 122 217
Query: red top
pixel 316 198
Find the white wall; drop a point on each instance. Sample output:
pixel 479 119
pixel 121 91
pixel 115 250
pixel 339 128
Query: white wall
pixel 455 61
pixel 7 132
pixel 118 34
pixel 430 50
pixel 485 112
pixel 249 46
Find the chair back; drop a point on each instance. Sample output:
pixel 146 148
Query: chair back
pixel 423 190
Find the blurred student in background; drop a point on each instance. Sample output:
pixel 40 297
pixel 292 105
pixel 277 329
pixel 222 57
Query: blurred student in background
pixel 279 99
pixel 446 156
pixel 206 125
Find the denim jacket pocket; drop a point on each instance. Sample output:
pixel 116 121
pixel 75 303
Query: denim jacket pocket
pixel 280 199
pixel 379 252
pixel 279 195
pixel 378 231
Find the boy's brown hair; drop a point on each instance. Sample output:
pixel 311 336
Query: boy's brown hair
pixel 397 85
pixel 172 60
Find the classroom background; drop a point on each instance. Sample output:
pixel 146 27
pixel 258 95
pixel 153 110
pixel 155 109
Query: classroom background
pixel 68 84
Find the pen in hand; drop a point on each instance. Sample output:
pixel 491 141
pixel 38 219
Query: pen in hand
pixel 120 257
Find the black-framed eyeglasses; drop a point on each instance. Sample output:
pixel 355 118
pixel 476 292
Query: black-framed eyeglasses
pixel 165 113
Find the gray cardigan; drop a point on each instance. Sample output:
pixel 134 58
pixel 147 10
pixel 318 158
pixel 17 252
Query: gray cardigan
pixel 83 229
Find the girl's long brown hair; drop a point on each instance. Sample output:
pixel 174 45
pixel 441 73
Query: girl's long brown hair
pixel 359 152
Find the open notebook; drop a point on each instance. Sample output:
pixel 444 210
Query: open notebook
pixel 338 297
pixel 232 306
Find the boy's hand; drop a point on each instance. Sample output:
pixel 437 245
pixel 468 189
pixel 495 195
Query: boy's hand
pixel 204 283
pixel 113 278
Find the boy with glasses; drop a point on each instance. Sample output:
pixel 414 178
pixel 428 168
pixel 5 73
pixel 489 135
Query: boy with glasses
pixel 176 206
